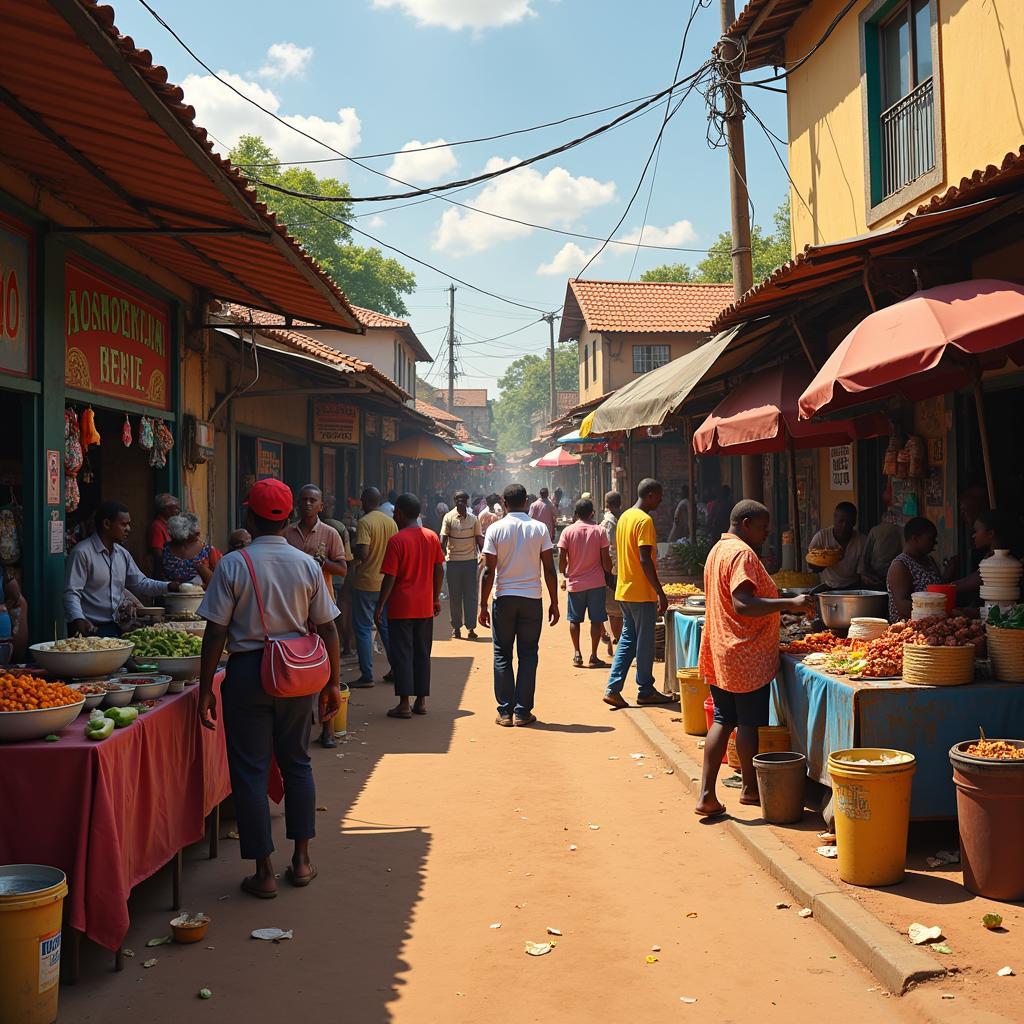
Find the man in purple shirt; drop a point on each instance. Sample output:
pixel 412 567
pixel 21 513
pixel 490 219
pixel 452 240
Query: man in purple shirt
pixel 543 511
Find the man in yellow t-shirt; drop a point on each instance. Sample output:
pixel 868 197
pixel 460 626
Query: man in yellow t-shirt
pixel 640 597
pixel 373 532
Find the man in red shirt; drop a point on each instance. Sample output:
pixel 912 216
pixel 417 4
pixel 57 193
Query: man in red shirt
pixel 413 569
pixel 166 507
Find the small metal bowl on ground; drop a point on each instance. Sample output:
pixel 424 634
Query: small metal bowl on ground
pixel 148 686
pixel 121 697
pixel 188 928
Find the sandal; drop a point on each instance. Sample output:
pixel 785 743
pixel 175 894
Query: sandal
pixel 577 660
pixel 399 713
pixel 249 886
pixel 597 663
pixel 419 710
pixel 300 881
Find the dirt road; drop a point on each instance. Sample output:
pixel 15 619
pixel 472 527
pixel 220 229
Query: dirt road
pixel 437 828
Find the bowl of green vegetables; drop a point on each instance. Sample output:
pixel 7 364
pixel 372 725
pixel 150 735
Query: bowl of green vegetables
pixel 172 651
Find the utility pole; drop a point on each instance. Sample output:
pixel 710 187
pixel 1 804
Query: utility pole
pixel 553 401
pixel 742 256
pixel 451 348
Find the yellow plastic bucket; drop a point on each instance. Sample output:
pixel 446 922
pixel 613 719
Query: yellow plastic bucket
pixel 693 691
pixel 872 811
pixel 31 900
pixel 773 739
pixel 340 720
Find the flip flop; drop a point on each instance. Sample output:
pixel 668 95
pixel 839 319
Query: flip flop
pixel 750 803
pixel 577 661
pixel 300 881
pixel 711 814
pixel 419 711
pixel 249 886
pixel 597 663
pixel 399 713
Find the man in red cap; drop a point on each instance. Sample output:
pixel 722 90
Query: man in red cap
pixel 256 725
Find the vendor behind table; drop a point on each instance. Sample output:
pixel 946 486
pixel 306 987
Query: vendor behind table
pixel 844 535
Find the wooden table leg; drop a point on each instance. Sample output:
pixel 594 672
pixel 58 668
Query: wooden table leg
pixel 119 959
pixel 71 956
pixel 214 823
pixel 176 871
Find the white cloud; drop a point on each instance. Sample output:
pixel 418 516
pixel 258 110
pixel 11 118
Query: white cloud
pixel 566 262
pixel 422 167
pixel 459 14
pixel 228 117
pixel 285 60
pixel 376 221
pixel 679 233
pixel 556 199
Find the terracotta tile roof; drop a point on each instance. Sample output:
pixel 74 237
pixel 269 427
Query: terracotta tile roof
pixel 566 400
pixel 308 345
pixel 371 320
pixel 435 412
pixel 471 397
pixel 988 184
pixel 641 307
pixel 137 159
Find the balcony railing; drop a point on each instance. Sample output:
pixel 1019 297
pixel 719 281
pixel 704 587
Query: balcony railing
pixel 908 138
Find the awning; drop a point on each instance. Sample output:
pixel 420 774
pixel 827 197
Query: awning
pixel 574 437
pixel 89 117
pixel 557 458
pixel 648 400
pixel 931 343
pixel 762 415
pixel 425 447
pixel 468 448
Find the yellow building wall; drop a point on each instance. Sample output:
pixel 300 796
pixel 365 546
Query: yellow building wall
pixel 981 47
pixel 615 357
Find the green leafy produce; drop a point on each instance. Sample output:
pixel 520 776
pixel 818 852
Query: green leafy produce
pixel 164 643
pixel 99 728
pixel 992 921
pixel 205 993
pixel 52 738
pixel 1013 619
pixel 121 717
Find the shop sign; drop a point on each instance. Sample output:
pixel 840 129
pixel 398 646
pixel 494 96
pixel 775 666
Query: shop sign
pixel 389 428
pixel 372 425
pixel 117 340
pixel 269 458
pixel 53 478
pixel 841 465
pixel 15 297
pixel 335 423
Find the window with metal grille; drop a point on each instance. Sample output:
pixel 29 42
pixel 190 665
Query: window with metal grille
pixel 586 374
pixel 649 357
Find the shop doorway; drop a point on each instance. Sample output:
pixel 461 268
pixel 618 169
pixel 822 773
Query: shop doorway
pixel 16 550
pixel 260 457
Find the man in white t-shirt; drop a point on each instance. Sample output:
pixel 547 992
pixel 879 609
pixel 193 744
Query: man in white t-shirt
pixel 516 549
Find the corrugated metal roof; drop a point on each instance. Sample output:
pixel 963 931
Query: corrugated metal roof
pixel 93 120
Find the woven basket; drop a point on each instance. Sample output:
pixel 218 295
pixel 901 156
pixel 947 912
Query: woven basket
pixel 938 666
pixel 1006 653
pixel 824 558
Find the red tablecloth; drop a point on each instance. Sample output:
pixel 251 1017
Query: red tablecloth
pixel 111 814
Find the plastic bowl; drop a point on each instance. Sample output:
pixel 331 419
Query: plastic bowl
pixel 19 726
pixel 92 700
pixel 119 698
pixel 147 686
pixel 186 933
pixel 177 668
pixel 83 664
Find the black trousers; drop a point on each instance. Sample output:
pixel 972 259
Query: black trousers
pixel 257 725
pixel 409 651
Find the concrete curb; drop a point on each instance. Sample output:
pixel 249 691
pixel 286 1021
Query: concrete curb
pixel 887 955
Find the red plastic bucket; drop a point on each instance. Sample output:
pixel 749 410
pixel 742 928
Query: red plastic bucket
pixel 949 590
pixel 709 713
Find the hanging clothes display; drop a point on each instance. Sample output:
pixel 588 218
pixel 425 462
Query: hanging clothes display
pixel 72 459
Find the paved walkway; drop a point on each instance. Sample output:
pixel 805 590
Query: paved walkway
pixel 437 828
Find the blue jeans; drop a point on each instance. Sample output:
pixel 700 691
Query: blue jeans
pixel 516 621
pixel 364 604
pixel 636 641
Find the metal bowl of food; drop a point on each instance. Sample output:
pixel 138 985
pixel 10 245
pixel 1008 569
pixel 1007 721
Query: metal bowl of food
pixel 119 695
pixel 189 601
pixel 839 607
pixel 177 668
pixel 92 692
pixel 20 726
pixel 148 685
pixel 84 657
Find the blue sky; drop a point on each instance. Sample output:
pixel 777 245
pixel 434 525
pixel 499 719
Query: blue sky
pixel 377 75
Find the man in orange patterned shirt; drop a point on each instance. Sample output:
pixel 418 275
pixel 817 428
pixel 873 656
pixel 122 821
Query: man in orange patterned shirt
pixel 739 651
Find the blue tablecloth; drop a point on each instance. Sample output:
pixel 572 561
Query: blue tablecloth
pixel 825 713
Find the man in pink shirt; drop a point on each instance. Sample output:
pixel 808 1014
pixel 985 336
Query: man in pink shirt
pixel 544 512
pixel 585 560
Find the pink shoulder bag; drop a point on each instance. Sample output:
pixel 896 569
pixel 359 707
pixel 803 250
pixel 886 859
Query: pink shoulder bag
pixel 296 667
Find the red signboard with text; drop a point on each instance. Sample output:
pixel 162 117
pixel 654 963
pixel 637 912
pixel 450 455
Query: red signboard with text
pixel 117 339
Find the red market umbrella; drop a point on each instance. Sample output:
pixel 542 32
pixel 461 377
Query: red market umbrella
pixel 935 341
pixel 555 459
pixel 762 415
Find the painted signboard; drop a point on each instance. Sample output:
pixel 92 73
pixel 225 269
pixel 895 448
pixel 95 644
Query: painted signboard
pixel 335 423
pixel 269 458
pixel 16 297
pixel 117 339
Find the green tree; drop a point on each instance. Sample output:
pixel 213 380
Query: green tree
pixel 769 251
pixel 525 387
pixel 366 275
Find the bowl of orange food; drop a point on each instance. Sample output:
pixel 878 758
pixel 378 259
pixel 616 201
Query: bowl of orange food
pixel 32 708
pixel 824 558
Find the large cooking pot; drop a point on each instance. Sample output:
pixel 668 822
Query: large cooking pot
pixel 839 607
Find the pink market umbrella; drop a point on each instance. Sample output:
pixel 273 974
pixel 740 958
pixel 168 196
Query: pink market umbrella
pixel 556 459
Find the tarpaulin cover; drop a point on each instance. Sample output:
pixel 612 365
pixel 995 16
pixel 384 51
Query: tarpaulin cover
pixel 111 814
pixel 423 446
pixel 925 345
pixel 762 415
pixel 646 401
